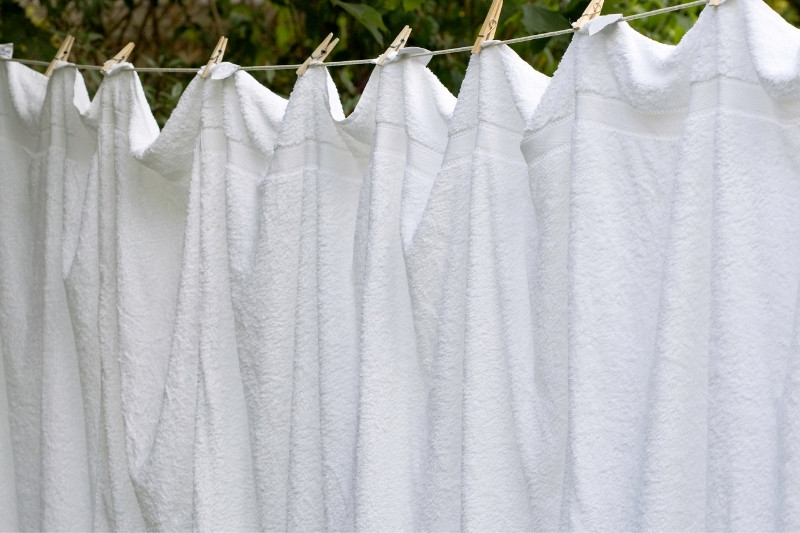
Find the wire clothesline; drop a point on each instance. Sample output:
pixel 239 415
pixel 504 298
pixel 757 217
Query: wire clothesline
pixel 516 40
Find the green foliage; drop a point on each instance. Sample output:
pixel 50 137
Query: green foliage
pixel 260 32
pixel 367 16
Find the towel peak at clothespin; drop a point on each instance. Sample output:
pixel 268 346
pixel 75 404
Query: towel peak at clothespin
pixel 489 26
pixel 216 56
pixel 61 55
pixel 591 11
pixel 398 44
pixel 121 57
pixel 319 54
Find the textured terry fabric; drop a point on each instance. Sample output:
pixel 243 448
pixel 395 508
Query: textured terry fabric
pixel 22 94
pixel 198 473
pixel 252 120
pixel 412 112
pixel 664 182
pixel 302 356
pixel 8 487
pixel 122 285
pixel 725 386
pixel 468 269
pixel 602 152
pixel 58 177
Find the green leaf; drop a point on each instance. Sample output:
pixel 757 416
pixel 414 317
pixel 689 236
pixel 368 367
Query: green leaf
pixel 537 19
pixel 411 5
pixel 367 16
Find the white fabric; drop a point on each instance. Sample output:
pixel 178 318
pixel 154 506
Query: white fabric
pixel 412 113
pixel 675 322
pixel 302 338
pixel 58 178
pixel 122 285
pixel 553 304
pixel 203 431
pixel 22 94
pixel 468 269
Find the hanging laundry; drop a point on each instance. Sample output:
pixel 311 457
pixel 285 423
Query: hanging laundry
pixel 602 150
pixel 122 287
pixel 22 94
pixel 300 324
pixel 725 384
pixel 553 304
pixel 412 112
pixel 58 175
pixel 468 267
pixel 664 321
pixel 202 445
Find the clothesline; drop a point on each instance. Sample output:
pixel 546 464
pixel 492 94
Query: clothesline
pixel 448 51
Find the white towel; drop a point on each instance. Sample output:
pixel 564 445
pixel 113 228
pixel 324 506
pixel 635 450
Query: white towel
pixel 413 110
pixel 22 94
pixel 602 151
pixel 199 472
pixel 669 172
pixel 122 286
pixel 469 269
pixel 302 355
pixel 725 386
pixel 58 176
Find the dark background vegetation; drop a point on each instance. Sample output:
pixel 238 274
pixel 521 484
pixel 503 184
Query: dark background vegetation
pixel 263 32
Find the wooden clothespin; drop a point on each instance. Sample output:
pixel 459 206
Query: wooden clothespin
pixel 397 45
pixel 322 51
pixel 489 26
pixel 591 11
pixel 714 2
pixel 121 57
pixel 61 55
pixel 216 56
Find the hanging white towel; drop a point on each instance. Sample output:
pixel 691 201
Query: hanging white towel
pixel 122 286
pixel 602 151
pixel 469 267
pixel 58 176
pixel 22 94
pixel 677 324
pixel 199 471
pixel 413 110
pixel 725 383
pixel 302 341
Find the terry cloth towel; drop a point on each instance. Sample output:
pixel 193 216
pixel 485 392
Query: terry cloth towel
pixel 199 472
pixel 302 356
pixel 602 150
pixel 22 94
pixel 413 110
pixel 676 189
pixel 724 399
pixel 122 287
pixel 468 267
pixel 58 176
